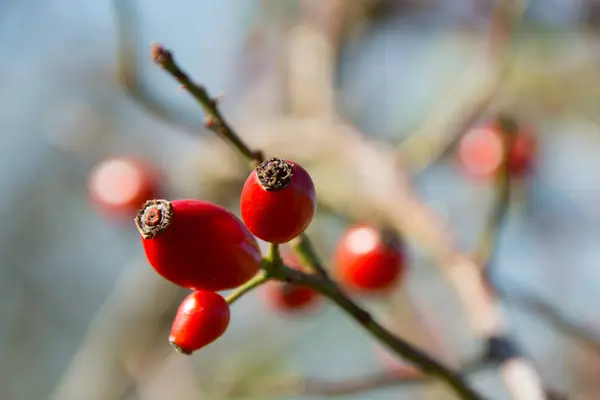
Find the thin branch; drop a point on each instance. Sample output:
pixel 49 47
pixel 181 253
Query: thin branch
pixel 533 303
pixel 118 333
pixel 455 113
pixel 357 385
pixel 214 120
pixel 427 364
pixel 488 243
pixel 308 255
pixel 129 71
pixel 328 288
pixel 259 279
pixel 489 236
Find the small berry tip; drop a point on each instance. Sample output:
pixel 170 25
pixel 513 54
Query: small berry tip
pixel 179 349
pixel 154 217
pixel 274 174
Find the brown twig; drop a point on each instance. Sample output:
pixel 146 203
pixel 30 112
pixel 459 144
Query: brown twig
pixel 533 303
pixel 214 120
pixel 468 99
pixel 490 235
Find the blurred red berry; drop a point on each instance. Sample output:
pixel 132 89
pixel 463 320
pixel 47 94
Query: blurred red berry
pixel 288 298
pixel 197 244
pixel 369 260
pixel 121 185
pixel 201 318
pixel 481 152
pixel 278 200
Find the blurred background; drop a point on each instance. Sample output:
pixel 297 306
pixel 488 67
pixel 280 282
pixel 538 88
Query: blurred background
pixel 84 317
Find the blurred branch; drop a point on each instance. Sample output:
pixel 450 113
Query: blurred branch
pixel 129 71
pixel 490 235
pixel 469 98
pixel 318 387
pixel 530 302
pixel 122 330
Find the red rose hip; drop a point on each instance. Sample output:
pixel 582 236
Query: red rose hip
pixel 278 200
pixel 197 244
pixel 481 152
pixel 201 318
pixel 369 260
pixel 120 185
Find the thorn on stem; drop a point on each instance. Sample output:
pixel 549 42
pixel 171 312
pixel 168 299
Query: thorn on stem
pixel 210 122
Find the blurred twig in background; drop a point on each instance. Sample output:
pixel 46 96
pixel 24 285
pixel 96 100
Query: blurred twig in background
pixel 527 300
pixel 129 71
pixel 470 96
pixel 374 381
pixel 122 332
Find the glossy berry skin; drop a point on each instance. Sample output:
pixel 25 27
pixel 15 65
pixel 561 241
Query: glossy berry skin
pixel 286 298
pixel 278 200
pixel 481 152
pixel 201 318
pixel 369 260
pixel 197 244
pixel 120 185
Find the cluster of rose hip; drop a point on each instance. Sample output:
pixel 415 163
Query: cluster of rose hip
pixel 206 248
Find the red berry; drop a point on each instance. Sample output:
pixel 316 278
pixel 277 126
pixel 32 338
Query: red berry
pixel 121 185
pixel 288 298
pixel 201 318
pixel 197 244
pixel 278 201
pixel 369 260
pixel 481 152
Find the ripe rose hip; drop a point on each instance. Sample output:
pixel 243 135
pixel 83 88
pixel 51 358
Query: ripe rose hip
pixel 278 200
pixel 197 244
pixel 481 152
pixel 369 260
pixel 288 298
pixel 120 185
pixel 201 318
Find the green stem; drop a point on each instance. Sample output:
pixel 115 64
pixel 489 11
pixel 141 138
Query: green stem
pixel 252 284
pixel 274 257
pixel 305 250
